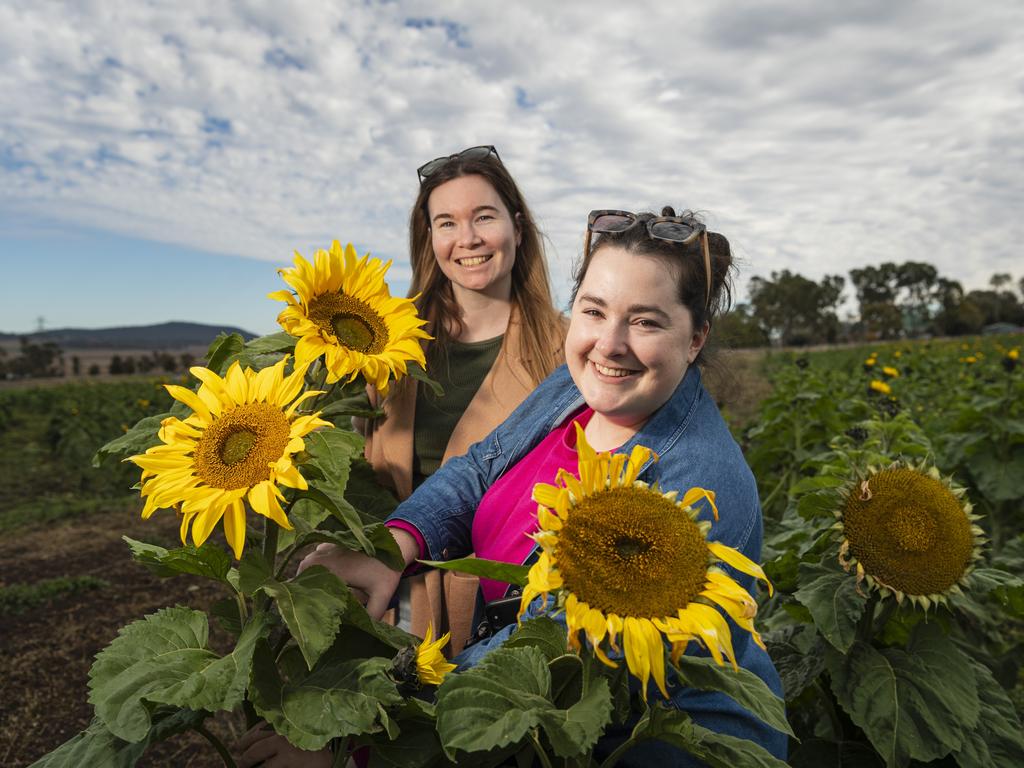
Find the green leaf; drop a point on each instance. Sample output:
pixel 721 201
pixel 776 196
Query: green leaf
pixel 718 750
pixel 311 605
pixel 343 512
pixel 830 594
pixel 1003 586
pixel 818 753
pixel 415 370
pixel 209 560
pixel 494 704
pixel 576 730
pixel 417 745
pixel 741 684
pixel 164 659
pixel 543 633
pixel 136 440
pixel 222 349
pixel 334 700
pixel 489 569
pixel 365 493
pixel 274 342
pixel 798 663
pixel 97 747
pixel 997 477
pixel 917 704
pixel 999 737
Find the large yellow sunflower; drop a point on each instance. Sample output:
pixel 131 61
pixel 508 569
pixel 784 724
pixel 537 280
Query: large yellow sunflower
pixel 907 532
pixel 237 445
pixel 344 312
pixel 627 559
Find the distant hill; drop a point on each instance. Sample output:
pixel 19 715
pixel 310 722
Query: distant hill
pixel 173 335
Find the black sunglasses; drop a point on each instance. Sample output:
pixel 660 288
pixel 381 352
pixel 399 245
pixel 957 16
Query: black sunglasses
pixel 473 153
pixel 671 228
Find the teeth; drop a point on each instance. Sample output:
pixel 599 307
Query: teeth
pixel 616 372
pixel 472 261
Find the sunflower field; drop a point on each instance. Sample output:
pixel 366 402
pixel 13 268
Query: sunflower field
pixel 894 511
pixel 891 596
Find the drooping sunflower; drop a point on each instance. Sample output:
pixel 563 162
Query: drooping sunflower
pixel 431 665
pixel 237 446
pixel 342 310
pixel 630 561
pixel 908 532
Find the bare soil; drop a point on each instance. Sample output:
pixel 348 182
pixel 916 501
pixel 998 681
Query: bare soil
pixel 45 654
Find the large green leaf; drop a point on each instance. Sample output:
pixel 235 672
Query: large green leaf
pixel 916 704
pixel 1002 585
pixel 133 442
pixel 97 747
pixel 334 700
pixel 544 633
pixel 209 560
pixel 818 753
pixel 384 545
pixel 999 737
pixel 798 656
pixel 417 745
pixel 311 604
pixel 997 477
pixel 494 704
pixel 576 730
pixel 222 350
pixel 718 750
pixel 275 342
pixel 830 594
pixel 164 658
pixel 365 493
pixel 489 569
pixel 741 684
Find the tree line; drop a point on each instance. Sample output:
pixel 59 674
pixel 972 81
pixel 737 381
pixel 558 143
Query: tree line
pixel 47 359
pixel 908 300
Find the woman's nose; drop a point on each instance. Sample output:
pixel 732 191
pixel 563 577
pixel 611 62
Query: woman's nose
pixel 468 236
pixel 611 340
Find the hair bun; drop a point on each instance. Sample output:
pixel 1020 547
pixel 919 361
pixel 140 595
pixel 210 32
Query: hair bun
pixel 667 211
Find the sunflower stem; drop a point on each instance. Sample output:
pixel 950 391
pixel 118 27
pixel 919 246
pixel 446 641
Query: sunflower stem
pixel 539 750
pixel 866 624
pixel 218 745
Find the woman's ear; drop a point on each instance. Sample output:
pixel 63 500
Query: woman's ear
pixel 517 220
pixel 697 342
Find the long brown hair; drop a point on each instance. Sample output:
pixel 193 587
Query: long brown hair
pixel 531 291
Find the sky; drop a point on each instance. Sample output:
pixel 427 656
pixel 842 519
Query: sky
pixel 160 160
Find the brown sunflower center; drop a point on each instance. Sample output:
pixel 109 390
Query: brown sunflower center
pixel 353 322
pixel 910 532
pixel 237 449
pixel 632 552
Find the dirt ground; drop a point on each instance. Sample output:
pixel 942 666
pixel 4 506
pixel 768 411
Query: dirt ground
pixel 45 653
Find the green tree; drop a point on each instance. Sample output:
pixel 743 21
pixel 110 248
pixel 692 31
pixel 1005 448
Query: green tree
pixel 795 309
pixel 739 328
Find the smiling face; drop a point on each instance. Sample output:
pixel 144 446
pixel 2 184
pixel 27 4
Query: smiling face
pixel 474 236
pixel 630 339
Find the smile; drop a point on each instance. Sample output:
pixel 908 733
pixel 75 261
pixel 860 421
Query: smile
pixel 615 373
pixel 472 261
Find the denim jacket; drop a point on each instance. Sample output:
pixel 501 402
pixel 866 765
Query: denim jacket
pixel 695 449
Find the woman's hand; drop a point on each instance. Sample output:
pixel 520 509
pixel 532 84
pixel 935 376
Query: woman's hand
pixel 262 747
pixel 368 578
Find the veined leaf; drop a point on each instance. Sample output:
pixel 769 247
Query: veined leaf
pixel 830 594
pixel 163 658
pixel 576 730
pixel 384 545
pixel 274 342
pixel 917 704
pixel 489 569
pixel 999 737
pixel 209 560
pixel 542 632
pixel 222 350
pixel 1002 585
pixel 136 440
pixel 718 750
pixel 334 700
pixel 741 684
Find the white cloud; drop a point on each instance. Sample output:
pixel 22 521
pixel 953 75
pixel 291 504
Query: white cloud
pixel 818 137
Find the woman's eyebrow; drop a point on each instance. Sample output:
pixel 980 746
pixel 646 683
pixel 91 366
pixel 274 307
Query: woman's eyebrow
pixel 475 212
pixel 632 309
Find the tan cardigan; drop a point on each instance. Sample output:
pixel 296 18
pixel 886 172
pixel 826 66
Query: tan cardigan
pixel 447 599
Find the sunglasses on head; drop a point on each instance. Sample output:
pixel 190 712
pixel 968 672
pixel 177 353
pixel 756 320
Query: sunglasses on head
pixel 674 229
pixel 473 153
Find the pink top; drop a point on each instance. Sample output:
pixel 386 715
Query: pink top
pixel 507 512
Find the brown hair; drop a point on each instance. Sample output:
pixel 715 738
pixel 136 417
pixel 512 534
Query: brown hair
pixel 531 292
pixel 686 260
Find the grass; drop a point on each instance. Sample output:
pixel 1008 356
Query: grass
pixel 19 598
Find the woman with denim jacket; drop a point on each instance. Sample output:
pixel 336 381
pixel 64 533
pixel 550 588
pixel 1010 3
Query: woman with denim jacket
pixel 644 299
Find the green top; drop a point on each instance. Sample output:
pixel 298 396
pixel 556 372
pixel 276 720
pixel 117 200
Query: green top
pixel 461 373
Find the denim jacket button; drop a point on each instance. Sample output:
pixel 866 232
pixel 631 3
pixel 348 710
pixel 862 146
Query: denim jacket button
pixel 444 553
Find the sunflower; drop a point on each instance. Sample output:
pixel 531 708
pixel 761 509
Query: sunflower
pixel 431 665
pixel 237 445
pixel 628 560
pixel 344 312
pixel 879 386
pixel 908 532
